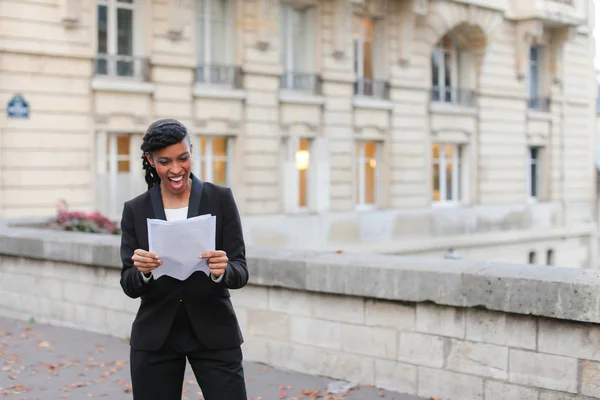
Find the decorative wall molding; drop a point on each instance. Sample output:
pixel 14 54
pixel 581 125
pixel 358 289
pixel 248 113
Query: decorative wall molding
pixel 298 129
pixel 342 24
pixel 176 16
pixel 528 33
pixel 70 12
pixel 266 16
pixel 407 13
pixel 558 39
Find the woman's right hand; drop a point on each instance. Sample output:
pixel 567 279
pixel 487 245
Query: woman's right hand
pixel 145 261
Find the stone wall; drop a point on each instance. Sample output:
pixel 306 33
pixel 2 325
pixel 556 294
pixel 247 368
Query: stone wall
pixel 450 329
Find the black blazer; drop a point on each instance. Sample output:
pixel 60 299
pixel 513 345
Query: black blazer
pixel 207 302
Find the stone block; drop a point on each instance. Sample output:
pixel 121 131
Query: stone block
pixel 390 314
pixel 251 296
pixel 118 323
pixel 441 320
pixel 294 302
pixel 255 348
pixel 448 385
pixel 494 390
pixel 481 359
pixel 315 332
pixel 543 370
pixel 569 339
pixel 502 329
pixel 396 376
pixel 590 379
pixel 370 341
pixel 420 349
pixel 324 362
pixel 339 308
pixel 269 324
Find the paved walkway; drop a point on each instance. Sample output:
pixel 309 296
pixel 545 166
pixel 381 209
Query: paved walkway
pixel 42 362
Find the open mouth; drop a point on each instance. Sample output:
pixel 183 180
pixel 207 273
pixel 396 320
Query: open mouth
pixel 177 182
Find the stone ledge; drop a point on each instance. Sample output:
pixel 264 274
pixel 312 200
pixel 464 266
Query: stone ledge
pixel 564 293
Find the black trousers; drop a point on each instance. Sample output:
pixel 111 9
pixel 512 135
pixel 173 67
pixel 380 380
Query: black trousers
pixel 158 375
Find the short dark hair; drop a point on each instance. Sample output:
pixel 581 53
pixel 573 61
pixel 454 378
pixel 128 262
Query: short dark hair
pixel 160 134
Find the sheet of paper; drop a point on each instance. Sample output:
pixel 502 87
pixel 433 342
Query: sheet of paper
pixel 179 245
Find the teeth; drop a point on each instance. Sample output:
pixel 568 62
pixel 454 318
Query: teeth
pixel 178 179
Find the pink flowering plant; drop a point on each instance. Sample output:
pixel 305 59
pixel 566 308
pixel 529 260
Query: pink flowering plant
pixel 79 221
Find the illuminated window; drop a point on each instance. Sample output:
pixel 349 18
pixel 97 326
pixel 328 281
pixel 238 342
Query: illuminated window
pixel 366 172
pixel 447 169
pixel 211 159
pixel 119 170
pixel 369 57
pixel 302 158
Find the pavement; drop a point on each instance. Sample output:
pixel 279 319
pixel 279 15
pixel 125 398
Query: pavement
pixel 43 362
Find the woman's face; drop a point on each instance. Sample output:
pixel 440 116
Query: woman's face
pixel 173 165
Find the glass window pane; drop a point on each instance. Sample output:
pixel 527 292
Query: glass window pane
pixel 200 26
pixel 449 152
pixel 368 48
pixel 436 151
pixel 102 30
pixel 124 32
pixel 298 38
pixel 123 152
pixel 202 147
pixel 219 145
pixel 436 182
pixel 218 30
pixel 220 173
pixel 370 183
pixel 303 163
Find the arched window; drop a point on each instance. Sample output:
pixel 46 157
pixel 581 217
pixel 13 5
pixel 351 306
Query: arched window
pixel 451 73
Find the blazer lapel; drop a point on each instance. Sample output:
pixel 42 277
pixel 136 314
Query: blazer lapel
pixel 157 204
pixel 195 197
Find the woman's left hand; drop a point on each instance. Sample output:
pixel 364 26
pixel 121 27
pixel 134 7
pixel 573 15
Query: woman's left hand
pixel 217 262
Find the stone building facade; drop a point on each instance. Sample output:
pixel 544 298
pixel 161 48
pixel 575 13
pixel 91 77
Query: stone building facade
pixel 394 126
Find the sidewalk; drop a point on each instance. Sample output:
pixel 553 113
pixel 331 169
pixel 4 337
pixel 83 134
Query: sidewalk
pixel 48 363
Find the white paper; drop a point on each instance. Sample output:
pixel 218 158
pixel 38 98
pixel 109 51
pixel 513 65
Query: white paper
pixel 179 244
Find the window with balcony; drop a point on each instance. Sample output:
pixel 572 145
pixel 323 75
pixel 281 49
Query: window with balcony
pixel 367 157
pixel 215 44
pixel 537 94
pixel 369 61
pixel 119 170
pixel 297 25
pixel 534 172
pixel 450 69
pixel 211 159
pixel 119 41
pixel 447 173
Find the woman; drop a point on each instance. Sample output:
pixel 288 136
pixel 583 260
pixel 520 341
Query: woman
pixel 191 319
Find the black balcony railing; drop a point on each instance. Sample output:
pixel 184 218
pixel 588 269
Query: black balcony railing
pixel 372 88
pixel 218 74
pixel 119 66
pixel 453 95
pixel 539 103
pixel 301 81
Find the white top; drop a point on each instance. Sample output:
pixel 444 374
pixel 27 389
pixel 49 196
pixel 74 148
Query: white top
pixel 176 214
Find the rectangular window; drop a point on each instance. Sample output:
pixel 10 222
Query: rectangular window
pixel 533 172
pixel 119 169
pixel 211 159
pixel 117 39
pixel 367 155
pixel 447 171
pixel 302 165
pixel 537 99
pixel 298 46
pixel 214 41
pixel 369 57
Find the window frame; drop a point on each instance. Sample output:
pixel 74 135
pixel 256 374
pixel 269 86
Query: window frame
pixel 360 176
pixel 112 7
pixel 538 162
pixel 206 34
pixel 458 170
pixel 204 163
pixel 439 52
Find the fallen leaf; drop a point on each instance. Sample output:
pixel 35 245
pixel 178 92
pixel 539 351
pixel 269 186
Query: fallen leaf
pixel 127 389
pixel 191 382
pixel 76 385
pixel 45 345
